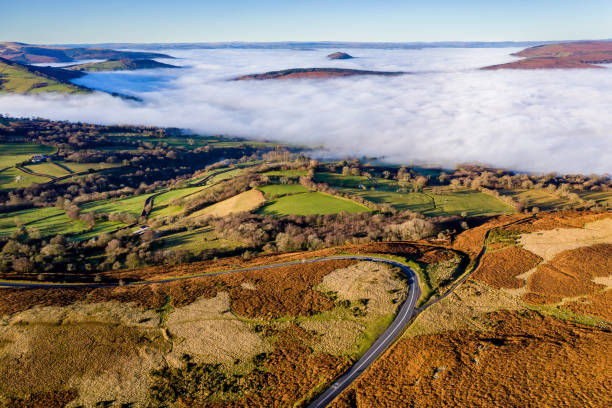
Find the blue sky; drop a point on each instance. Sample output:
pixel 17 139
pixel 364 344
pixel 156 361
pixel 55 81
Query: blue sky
pixel 90 21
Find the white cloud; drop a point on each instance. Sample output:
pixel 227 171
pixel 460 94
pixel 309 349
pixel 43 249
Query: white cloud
pixel 446 113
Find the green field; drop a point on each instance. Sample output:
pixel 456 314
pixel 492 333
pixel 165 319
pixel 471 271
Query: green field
pixel 82 167
pixel 225 176
pixel 13 178
pixel 161 208
pixel 17 79
pixel 48 168
pixel 285 173
pixel 417 202
pixel 538 198
pixel 188 142
pixel 100 228
pixel 197 240
pixel 132 205
pixel 546 201
pixel 276 190
pixel 311 203
pixel 339 180
pixel 13 153
pixel 49 220
pixel 601 198
pixel 473 203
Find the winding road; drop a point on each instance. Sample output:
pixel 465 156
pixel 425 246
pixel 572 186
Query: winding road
pixel 402 318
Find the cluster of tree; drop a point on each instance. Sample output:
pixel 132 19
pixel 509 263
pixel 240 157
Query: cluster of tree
pixel 142 170
pixel 295 233
pixel 26 253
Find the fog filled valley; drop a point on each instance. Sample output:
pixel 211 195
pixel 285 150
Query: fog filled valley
pixel 304 224
pixel 443 111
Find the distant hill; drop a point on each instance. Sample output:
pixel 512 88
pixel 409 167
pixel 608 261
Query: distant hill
pixel 34 54
pixel 296 73
pixel 583 54
pixel 339 56
pixel 27 79
pixel 122 64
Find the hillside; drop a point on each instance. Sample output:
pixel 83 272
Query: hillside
pixel 176 269
pixel 318 73
pixel 533 317
pixel 339 56
pixel 33 54
pixel 25 79
pixel 121 64
pixel 583 54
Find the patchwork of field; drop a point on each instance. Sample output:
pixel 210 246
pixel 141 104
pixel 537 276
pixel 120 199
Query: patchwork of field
pixel 471 203
pixel 546 201
pixel 245 339
pixel 349 181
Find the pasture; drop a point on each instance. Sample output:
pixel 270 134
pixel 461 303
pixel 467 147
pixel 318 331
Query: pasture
pixel 311 203
pixel 132 205
pixel 277 190
pixel 13 153
pixel 12 178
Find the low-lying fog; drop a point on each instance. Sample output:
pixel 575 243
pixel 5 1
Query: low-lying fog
pixel 447 112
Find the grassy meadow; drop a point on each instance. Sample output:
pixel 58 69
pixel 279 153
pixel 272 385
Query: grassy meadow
pixel 311 203
pixel 15 79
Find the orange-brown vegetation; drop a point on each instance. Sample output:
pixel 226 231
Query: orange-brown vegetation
pixel 339 55
pixel 293 371
pixel 562 219
pixel 524 360
pixel 285 291
pixel 435 255
pixel 184 292
pixel 544 63
pixel 471 241
pixel 405 249
pixel 500 268
pixel 583 54
pixel 90 342
pixel 571 272
pixel 280 291
pixel 571 48
pixel 44 400
pixel 596 304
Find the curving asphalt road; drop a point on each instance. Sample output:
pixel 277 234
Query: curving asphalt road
pixel 404 314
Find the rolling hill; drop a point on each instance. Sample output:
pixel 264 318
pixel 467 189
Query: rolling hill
pixel 320 73
pixel 121 64
pixel 27 79
pixel 33 54
pixel 582 54
pixel 339 56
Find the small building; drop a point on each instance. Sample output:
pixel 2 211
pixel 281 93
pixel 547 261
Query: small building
pixel 141 230
pixel 38 158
